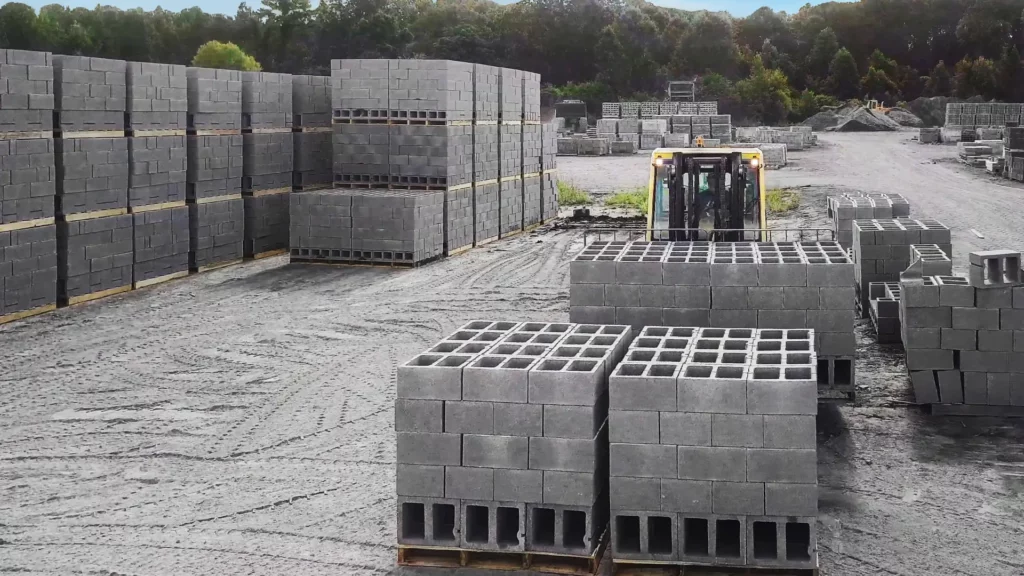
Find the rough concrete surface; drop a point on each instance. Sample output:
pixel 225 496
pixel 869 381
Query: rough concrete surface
pixel 240 421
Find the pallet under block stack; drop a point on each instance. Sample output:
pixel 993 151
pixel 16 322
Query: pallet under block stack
pixel 713 454
pixel 503 443
pixel 267 160
pixel 95 233
pixel 964 335
pixel 214 178
pixel 28 233
pixel 157 105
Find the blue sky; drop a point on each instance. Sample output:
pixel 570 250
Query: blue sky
pixel 736 7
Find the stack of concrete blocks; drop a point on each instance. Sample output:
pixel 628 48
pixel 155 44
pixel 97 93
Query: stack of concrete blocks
pixel 607 127
pixel 721 127
pixel 986 114
pixel 846 208
pixel 311 132
pixel 549 172
pixel 964 336
pixel 267 160
pixel 881 250
pixel 532 154
pixel 712 455
pixel 156 120
pixel 930 136
pixel 885 311
pixel 725 285
pixel 502 438
pixel 215 158
pixel 28 245
pixel 486 153
pixel 360 109
pixel 628 130
pixel 396 227
pixel 775 155
pixel 652 133
pixel 94 231
pixel 629 109
pixel 1014 153
pixel 700 126
pixel 611 110
pixel 510 149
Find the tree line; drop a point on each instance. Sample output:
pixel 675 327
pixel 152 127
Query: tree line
pixel 768 66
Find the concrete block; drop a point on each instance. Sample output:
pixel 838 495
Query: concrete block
pixel 429 448
pixel 518 420
pixel 566 382
pixel 432 377
pixel 414 480
pixel 718 389
pixel 998 389
pixel 498 379
pixel 713 463
pixel 975 319
pixel 782 390
pixel 995 340
pixel 468 417
pixel 782 466
pixel 564 454
pixel 468 483
pixel 518 485
pixel 573 488
pixel 739 430
pixel 746 498
pixel 634 427
pixel 636 386
pixel 419 416
pixel 685 429
pixel 635 493
pixel 789 432
pixel 790 499
pixel 975 390
pixel 497 451
pixel 582 422
pixel 686 496
pixel 642 460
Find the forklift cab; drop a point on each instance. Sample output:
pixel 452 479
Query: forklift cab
pixel 712 194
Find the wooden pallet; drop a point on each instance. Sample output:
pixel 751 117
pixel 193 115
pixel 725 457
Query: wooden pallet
pixel 460 250
pixel 217 266
pixel 641 568
pixel 269 254
pixel 487 241
pixel 89 134
pixel 160 279
pixel 976 410
pixel 836 395
pixel 363 263
pixel 15 316
pixel 97 295
pixel 543 562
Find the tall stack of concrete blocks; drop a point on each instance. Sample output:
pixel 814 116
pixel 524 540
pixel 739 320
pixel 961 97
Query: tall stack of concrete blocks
pixel 311 127
pixel 156 120
pixel 28 234
pixel 94 230
pixel 214 178
pixel 964 336
pixel 510 150
pixel 726 285
pixel 881 250
pixel 845 208
pixel 486 153
pixel 884 298
pixel 267 160
pixel 502 438
pixel 532 150
pixel 549 172
pixel 712 451
pixel 1014 152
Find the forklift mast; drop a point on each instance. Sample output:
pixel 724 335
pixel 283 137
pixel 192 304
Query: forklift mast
pixel 722 199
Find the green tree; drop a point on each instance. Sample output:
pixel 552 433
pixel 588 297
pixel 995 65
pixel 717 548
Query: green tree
pixel 810 103
pixel 975 78
pixel 939 82
pixel 765 94
pixel 227 55
pixel 879 86
pixel 843 77
pixel 18 26
pixel 1009 75
pixel 822 53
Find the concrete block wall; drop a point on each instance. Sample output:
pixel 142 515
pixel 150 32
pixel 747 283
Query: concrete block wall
pixel 712 455
pixel 214 99
pixel 215 165
pixel 266 100
pixel 266 223
pixel 510 205
pixel 313 158
pixel 27 179
pixel 725 285
pixel 362 154
pixel 881 249
pixel 531 97
pixel 89 93
pixel 486 206
pixel 359 88
pixel 532 200
pixel 92 174
pixel 459 215
pixel 439 90
pixel 432 156
pixel 161 240
pixel 157 96
pixel 267 161
pixel 486 152
pixel 321 221
pixel 510 88
pixel 311 101
pixel 216 233
pixel 970 114
pixel 94 255
pixel 510 149
pixel 964 338
pixel 27 102
pixel 28 269
pixel 486 93
pixel 157 169
pixel 845 208
pixel 504 426
pixel 532 148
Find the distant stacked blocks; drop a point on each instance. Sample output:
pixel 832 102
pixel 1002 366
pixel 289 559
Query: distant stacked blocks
pixel 843 209
pixel 311 101
pixel 712 456
pixel 28 235
pixel 725 285
pixel 964 336
pixel 435 128
pixel 157 106
pixel 95 233
pixel 215 167
pixel 1015 153
pixel 502 438
pixel 267 160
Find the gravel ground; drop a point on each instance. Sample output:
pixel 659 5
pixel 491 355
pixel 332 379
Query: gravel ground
pixel 240 421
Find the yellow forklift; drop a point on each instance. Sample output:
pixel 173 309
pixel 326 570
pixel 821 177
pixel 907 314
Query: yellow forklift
pixel 713 194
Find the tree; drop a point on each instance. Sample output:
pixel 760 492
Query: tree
pixel 939 82
pixel 824 50
pixel 843 77
pixel 765 93
pixel 975 78
pixel 18 26
pixel 1009 76
pixel 227 55
pixel 879 86
pixel 809 103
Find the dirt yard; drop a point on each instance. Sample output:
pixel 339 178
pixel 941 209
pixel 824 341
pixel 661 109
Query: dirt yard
pixel 240 421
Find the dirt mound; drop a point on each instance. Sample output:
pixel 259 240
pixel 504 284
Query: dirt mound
pixel 822 120
pixel 864 120
pixel 932 111
pixel 904 117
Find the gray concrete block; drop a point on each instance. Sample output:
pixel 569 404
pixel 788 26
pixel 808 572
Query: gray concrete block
pixel 566 455
pixel 518 419
pixel 432 377
pixel 642 460
pixel 415 480
pixel 468 483
pixel 791 499
pixel 975 319
pixel 998 390
pixel 635 386
pixel 419 416
pixel 686 496
pixel 746 498
pixel 518 485
pixel 429 448
pixel 468 417
pixel 974 391
pixel 633 427
pixel 739 430
pixel 718 389
pixel 686 429
pixel 789 432
pixel 582 422
pixel 635 493
pixel 496 451
pixel 497 379
pixel 712 463
pixel 782 466
pixel 573 488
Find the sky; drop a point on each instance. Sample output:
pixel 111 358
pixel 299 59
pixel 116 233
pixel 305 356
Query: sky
pixel 736 7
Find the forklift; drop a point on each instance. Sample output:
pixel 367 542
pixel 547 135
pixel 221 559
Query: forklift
pixel 707 194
